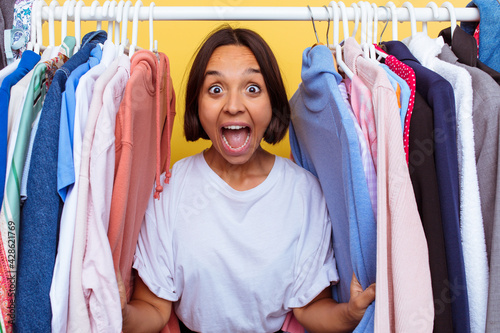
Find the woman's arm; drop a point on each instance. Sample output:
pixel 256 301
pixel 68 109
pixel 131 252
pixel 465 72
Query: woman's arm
pixel 323 314
pixel 145 312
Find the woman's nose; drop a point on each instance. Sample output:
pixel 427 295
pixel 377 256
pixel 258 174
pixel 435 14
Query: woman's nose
pixel 235 103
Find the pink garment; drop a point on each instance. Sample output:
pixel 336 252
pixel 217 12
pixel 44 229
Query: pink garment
pixel 78 315
pixel 145 116
pixel 98 275
pixel 362 106
pixel 291 325
pixel 404 301
pixel 406 73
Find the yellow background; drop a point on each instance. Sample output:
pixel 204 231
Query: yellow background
pixel 179 40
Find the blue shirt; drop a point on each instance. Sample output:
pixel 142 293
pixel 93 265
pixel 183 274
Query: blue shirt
pixel 28 61
pixel 65 163
pixel 439 95
pixel 323 140
pixel 404 97
pixel 41 211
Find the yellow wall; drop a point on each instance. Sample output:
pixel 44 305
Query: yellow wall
pixel 179 39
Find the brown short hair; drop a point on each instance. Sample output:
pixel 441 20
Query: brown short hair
pixel 226 35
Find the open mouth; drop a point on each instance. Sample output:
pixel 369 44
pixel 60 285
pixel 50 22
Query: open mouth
pixel 235 137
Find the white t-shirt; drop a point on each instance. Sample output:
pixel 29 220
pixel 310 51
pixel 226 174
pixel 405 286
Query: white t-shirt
pixel 236 261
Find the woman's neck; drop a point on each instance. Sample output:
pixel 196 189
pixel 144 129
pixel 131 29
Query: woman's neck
pixel 244 176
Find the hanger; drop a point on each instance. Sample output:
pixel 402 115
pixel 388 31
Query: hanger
pixel 135 23
pixel 39 33
pixel 386 23
pixel 373 38
pixel 381 54
pixel 435 14
pixel 78 25
pixel 118 19
pixel 453 17
pixel 328 26
pixel 345 22
pixel 153 47
pixel 364 29
pixel 93 9
pixel 111 21
pixel 124 41
pixel 336 33
pixel 314 27
pixel 52 33
pixel 356 18
pixel 394 17
pixel 413 19
pixel 64 19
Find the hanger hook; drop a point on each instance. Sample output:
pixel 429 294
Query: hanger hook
pixel 453 17
pixel 151 38
pixel 345 22
pixel 336 33
pixel 435 14
pixel 413 19
pixel 394 18
pixel 386 22
pixel 312 20
pixel 135 23
pixel 356 18
pixel 52 9
pixel 328 26
pixel 78 27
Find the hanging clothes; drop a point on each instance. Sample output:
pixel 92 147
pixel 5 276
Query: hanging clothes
pixel 465 48
pixel 486 108
pixel 6 20
pixel 59 290
pixel 148 107
pixel 399 229
pixel 319 115
pixel 42 209
pixel 439 95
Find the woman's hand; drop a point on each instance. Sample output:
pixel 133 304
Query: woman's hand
pixel 360 299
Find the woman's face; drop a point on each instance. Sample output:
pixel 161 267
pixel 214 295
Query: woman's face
pixel 234 105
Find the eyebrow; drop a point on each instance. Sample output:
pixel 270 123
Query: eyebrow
pixel 247 71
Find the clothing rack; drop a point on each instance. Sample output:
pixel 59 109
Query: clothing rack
pixel 232 13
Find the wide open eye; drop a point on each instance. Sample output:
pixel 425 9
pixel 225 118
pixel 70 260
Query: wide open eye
pixel 253 89
pixel 215 89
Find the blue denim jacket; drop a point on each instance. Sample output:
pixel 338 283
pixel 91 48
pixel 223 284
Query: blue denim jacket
pixel 489 31
pixel 41 212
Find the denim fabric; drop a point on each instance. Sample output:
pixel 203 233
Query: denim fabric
pixel 439 95
pixel 28 61
pixel 41 211
pixel 489 31
pixel 323 140
pixel 65 167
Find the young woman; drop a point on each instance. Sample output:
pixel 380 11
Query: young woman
pixel 239 237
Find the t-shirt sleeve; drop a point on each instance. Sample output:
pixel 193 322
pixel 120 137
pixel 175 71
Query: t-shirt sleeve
pixel 154 260
pixel 315 267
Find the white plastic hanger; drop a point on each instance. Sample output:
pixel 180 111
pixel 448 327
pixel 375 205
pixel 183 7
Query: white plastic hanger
pixel 394 18
pixel 135 25
pixel 413 18
pixel 345 21
pixel 435 13
pixel 52 33
pixel 39 32
pixel 453 16
pixel 78 25
pixel 356 18
pixel 34 14
pixel 118 19
pixel 336 33
pixel 93 12
pixel 111 19
pixel 64 19
pixel 153 45
pixel 123 43
pixel 364 29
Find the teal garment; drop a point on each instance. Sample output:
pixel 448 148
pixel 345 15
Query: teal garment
pixel 404 97
pixel 324 141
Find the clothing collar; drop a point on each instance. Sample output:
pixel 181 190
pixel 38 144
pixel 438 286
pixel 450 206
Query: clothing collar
pixel 399 50
pixel 462 44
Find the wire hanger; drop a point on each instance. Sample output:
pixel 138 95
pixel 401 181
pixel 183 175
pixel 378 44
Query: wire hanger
pixel 314 27
pixel 435 13
pixel 328 26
